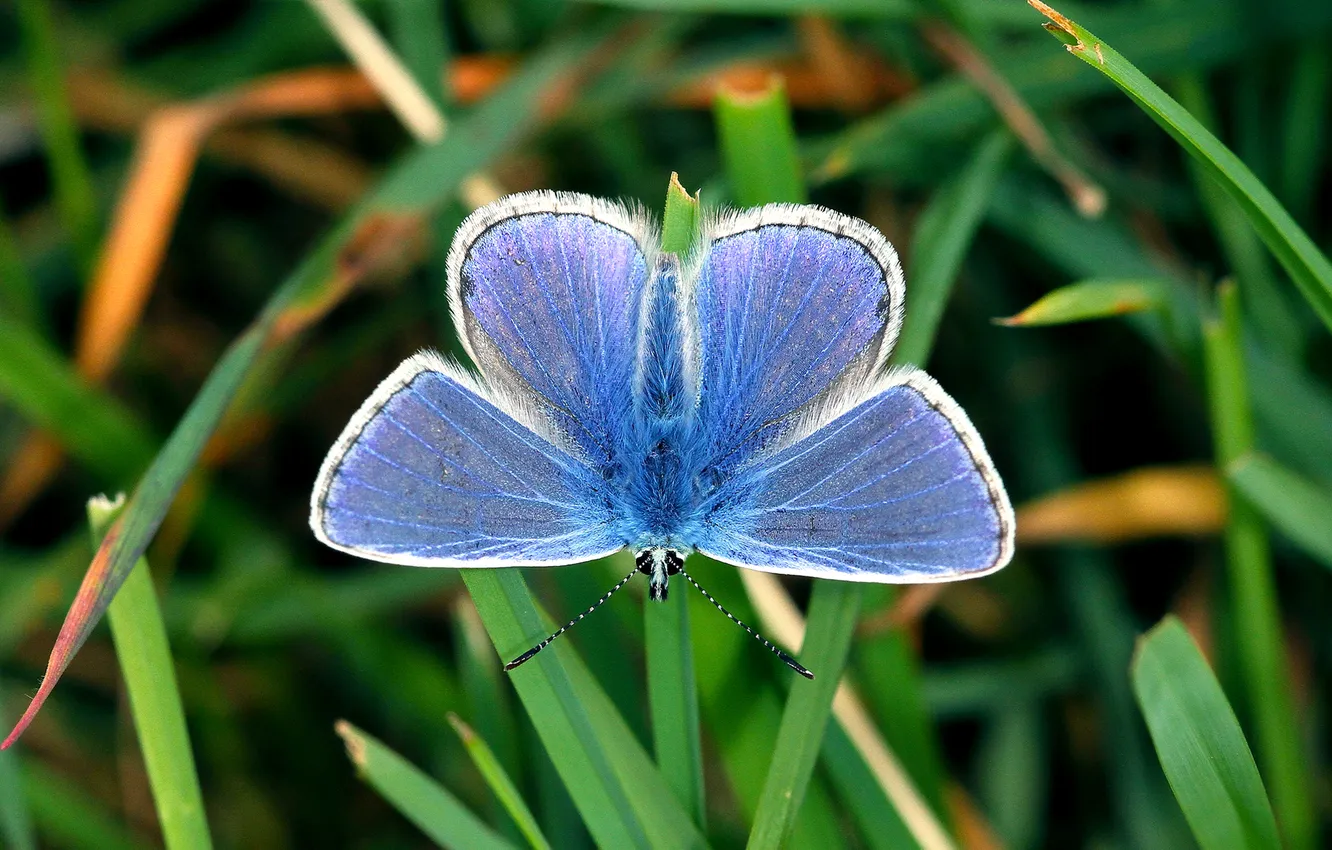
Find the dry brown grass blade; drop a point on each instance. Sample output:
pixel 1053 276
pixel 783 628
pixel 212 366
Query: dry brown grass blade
pixel 1143 503
pixel 1087 197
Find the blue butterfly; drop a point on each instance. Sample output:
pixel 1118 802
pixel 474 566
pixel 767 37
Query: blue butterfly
pixel 733 402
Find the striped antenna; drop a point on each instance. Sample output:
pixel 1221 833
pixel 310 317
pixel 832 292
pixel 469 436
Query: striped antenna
pixel 527 656
pixel 789 661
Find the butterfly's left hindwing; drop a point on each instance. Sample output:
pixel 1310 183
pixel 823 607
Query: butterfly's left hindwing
pixel 431 472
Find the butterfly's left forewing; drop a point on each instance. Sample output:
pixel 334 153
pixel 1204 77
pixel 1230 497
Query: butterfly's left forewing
pixel 432 472
pixel 896 487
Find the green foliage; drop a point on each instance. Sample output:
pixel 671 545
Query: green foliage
pixel 1200 743
pixel 419 798
pixel 275 313
pixel 150 682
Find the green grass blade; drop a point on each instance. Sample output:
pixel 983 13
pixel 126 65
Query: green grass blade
pixel 18 295
pixel 622 797
pixel 150 681
pixel 425 178
pixel 1306 132
pixel 759 152
pixel 879 821
pixel 416 796
pixel 672 684
pixel 833 609
pixel 944 232
pixel 1253 588
pixel 417 31
pixel 69 169
pixel 69 818
pixel 742 706
pixel 1306 265
pixel 16 829
pixel 500 783
pixel 1301 509
pixel 679 224
pixel 1200 744
pixel 1090 299
pixel 41 385
pixel 758 146
pixel 1264 300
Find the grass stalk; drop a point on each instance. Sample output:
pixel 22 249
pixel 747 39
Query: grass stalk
pixel 1262 652
pixel 70 173
pixel 150 680
pixel 672 685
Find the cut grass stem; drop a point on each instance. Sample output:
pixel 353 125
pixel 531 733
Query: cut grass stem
pixel 1264 671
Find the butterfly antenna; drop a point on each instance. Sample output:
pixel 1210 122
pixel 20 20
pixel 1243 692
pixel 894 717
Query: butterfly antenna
pixel 527 656
pixel 788 660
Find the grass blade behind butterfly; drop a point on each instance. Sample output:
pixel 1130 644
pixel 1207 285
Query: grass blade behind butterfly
pixel 619 792
pixel 672 686
pixel 759 149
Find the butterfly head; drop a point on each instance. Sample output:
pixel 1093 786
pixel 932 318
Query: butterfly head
pixel 658 563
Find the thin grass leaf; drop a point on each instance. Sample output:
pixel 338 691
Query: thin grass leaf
pixel 150 682
pixel 759 151
pixel 622 797
pixel 833 609
pixel 69 169
pixel 1301 509
pixel 879 821
pixel 1261 645
pixel 420 799
pixel 500 784
pixel 741 705
pixel 16 828
pixel 371 235
pixel 1200 744
pixel 68 817
pixel 672 683
pixel 18 295
pixel 1306 131
pixel 1265 300
pixel 899 140
pixel 1306 265
pixel 40 384
pixel 1088 300
pixel 944 232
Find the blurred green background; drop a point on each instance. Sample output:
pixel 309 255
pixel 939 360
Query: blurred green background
pixel 215 240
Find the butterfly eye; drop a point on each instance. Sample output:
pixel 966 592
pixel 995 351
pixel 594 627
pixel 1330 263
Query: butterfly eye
pixel 612 470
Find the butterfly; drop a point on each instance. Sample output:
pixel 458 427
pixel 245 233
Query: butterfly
pixel 733 402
